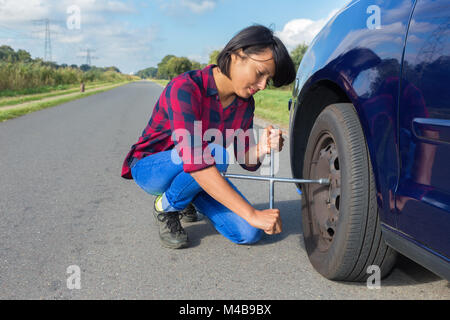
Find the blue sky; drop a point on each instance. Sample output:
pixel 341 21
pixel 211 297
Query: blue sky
pixel 136 34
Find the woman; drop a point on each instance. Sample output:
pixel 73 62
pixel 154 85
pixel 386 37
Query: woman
pixel 172 161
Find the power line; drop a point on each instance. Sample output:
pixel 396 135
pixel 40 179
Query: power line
pixel 47 38
pixel 89 57
pixel 50 35
pixel 47 41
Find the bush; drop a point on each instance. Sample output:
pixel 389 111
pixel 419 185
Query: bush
pixel 20 73
pixel 18 76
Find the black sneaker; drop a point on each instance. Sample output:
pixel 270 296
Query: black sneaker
pixel 189 214
pixel 171 233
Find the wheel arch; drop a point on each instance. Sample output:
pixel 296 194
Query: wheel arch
pixel 315 96
pixel 307 108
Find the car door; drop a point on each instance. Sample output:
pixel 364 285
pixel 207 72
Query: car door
pixel 423 193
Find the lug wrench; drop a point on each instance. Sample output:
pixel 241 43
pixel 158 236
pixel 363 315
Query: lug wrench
pixel 272 179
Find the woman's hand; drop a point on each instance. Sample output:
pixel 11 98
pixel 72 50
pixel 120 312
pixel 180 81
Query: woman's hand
pixel 267 220
pixel 270 139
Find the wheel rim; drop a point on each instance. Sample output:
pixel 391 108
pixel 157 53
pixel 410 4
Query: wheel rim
pixel 324 201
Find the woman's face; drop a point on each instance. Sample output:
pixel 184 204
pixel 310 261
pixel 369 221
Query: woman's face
pixel 251 73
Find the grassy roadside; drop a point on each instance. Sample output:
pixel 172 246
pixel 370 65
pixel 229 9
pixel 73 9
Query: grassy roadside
pixel 9 101
pixel 270 104
pixel 4 94
pixel 161 82
pixel 19 111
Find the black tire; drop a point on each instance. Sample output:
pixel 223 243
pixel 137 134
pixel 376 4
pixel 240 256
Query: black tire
pixel 341 226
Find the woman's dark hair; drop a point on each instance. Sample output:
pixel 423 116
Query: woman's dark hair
pixel 256 39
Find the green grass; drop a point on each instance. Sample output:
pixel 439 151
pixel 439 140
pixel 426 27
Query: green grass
pixel 14 113
pixel 161 82
pixel 272 105
pixel 43 89
pixel 53 93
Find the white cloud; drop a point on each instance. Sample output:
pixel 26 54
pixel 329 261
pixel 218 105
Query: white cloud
pixel 182 7
pixel 197 57
pixel 300 31
pixel 15 11
pixel 113 41
pixel 120 7
pixel 71 39
pixel 198 6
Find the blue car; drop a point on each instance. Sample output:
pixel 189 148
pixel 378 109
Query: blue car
pixel 371 111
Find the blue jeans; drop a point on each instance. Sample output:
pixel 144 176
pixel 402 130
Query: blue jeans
pixel 159 173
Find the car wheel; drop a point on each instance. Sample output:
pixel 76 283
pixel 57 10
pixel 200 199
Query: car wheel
pixel 341 226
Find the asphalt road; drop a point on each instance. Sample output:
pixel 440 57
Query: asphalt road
pixel 63 203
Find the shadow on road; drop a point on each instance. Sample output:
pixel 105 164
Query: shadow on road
pixel 405 273
pixel 198 231
pixel 291 220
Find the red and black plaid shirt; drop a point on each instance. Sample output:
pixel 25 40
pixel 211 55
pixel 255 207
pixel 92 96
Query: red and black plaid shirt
pixel 190 102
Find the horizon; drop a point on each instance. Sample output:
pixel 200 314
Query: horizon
pixel 133 35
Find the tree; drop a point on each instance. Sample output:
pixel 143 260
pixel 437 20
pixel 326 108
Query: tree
pixel 176 66
pixel 196 65
pixel 112 68
pixel 51 64
pixel 298 53
pixel 163 73
pixel 213 57
pixel 7 54
pixel 144 73
pixel 150 72
pixel 23 55
pixel 85 67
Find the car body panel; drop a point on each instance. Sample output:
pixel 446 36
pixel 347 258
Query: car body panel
pixel 423 194
pixel 358 58
pixel 361 51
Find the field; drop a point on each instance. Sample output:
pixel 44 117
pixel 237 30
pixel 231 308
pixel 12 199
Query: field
pixel 12 107
pixel 270 104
